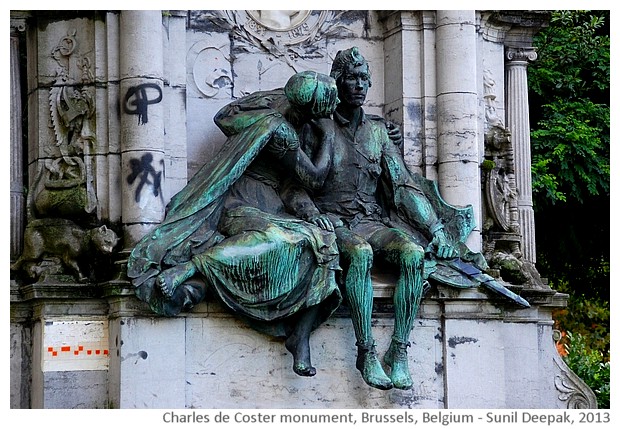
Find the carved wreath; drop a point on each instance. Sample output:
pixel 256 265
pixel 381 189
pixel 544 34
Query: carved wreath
pixel 286 44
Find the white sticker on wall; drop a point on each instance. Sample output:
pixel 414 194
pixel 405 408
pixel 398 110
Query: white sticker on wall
pixel 75 345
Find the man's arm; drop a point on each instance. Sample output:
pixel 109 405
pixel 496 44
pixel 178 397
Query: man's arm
pixel 412 203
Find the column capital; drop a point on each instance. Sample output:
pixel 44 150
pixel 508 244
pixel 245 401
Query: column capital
pixel 18 20
pixel 521 54
pixel 18 25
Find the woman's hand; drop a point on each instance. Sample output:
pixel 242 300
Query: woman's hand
pixel 325 127
pixel 322 221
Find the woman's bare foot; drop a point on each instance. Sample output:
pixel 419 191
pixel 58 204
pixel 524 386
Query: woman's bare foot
pixel 300 349
pixel 168 280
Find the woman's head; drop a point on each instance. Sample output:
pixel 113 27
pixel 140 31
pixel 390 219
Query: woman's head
pixel 312 93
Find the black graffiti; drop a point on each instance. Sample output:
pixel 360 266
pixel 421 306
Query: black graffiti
pixel 137 101
pixel 143 169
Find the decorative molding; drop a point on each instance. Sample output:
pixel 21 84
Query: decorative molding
pixel 572 389
pixel 18 21
pixel 512 28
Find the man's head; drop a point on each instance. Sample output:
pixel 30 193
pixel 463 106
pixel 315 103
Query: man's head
pixel 312 93
pixel 350 69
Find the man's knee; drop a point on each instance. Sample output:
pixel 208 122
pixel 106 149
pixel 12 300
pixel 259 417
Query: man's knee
pixel 354 249
pixel 360 253
pixel 411 253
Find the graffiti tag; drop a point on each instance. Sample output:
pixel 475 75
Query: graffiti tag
pixel 143 170
pixel 137 100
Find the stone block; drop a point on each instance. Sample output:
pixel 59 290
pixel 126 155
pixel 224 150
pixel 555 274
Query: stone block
pixel 147 363
pixel 229 365
pixel 76 389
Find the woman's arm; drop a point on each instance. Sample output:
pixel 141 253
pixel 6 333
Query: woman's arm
pixel 311 173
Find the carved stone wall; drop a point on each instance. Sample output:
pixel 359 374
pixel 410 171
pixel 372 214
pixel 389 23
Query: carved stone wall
pixel 233 53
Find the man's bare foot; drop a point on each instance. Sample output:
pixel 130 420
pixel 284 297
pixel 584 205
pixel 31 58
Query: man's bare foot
pixel 396 359
pixel 168 280
pixel 370 367
pixel 300 349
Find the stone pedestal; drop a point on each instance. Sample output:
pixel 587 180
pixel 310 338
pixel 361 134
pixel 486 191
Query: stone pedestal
pixel 467 352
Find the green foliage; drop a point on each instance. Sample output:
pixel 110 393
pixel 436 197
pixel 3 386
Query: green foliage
pixel 590 366
pixel 570 83
pixel 571 151
pixel 573 56
pixel 589 318
pixel 570 119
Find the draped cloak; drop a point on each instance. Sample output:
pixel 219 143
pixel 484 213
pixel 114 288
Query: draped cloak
pixel 274 266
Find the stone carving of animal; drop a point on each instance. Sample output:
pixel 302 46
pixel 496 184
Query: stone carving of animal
pixel 63 240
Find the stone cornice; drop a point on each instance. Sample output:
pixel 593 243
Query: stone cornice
pixel 512 27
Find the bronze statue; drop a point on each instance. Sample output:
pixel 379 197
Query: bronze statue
pixel 291 197
pixel 378 208
pixel 228 228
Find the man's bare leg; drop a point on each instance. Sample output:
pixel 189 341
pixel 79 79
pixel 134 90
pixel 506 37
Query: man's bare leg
pixel 358 289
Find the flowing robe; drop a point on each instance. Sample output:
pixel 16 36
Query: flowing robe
pixel 263 263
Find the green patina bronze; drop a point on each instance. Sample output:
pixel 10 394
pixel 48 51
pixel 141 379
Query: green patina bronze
pixel 295 207
pixel 229 230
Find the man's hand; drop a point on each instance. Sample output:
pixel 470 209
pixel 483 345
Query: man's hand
pixel 443 248
pixel 394 132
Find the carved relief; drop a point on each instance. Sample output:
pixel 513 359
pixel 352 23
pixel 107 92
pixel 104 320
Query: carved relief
pixel 59 246
pixel 279 20
pixel 288 36
pixel 65 186
pixel 500 184
pixel 573 390
pixel 61 239
pixel 210 67
pixel 502 244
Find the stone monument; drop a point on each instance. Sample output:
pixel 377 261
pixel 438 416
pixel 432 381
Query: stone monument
pixel 119 109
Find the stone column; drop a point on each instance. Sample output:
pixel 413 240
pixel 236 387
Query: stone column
pixel 17 161
pixel 409 85
pixel 458 142
pixel 142 122
pixel 518 122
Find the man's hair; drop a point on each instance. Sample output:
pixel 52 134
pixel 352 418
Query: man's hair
pixel 349 57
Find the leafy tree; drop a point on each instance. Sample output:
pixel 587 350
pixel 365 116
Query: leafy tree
pixel 590 366
pixel 570 105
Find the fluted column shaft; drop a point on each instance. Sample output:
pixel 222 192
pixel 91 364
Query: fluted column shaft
pixel 16 166
pixel 518 122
